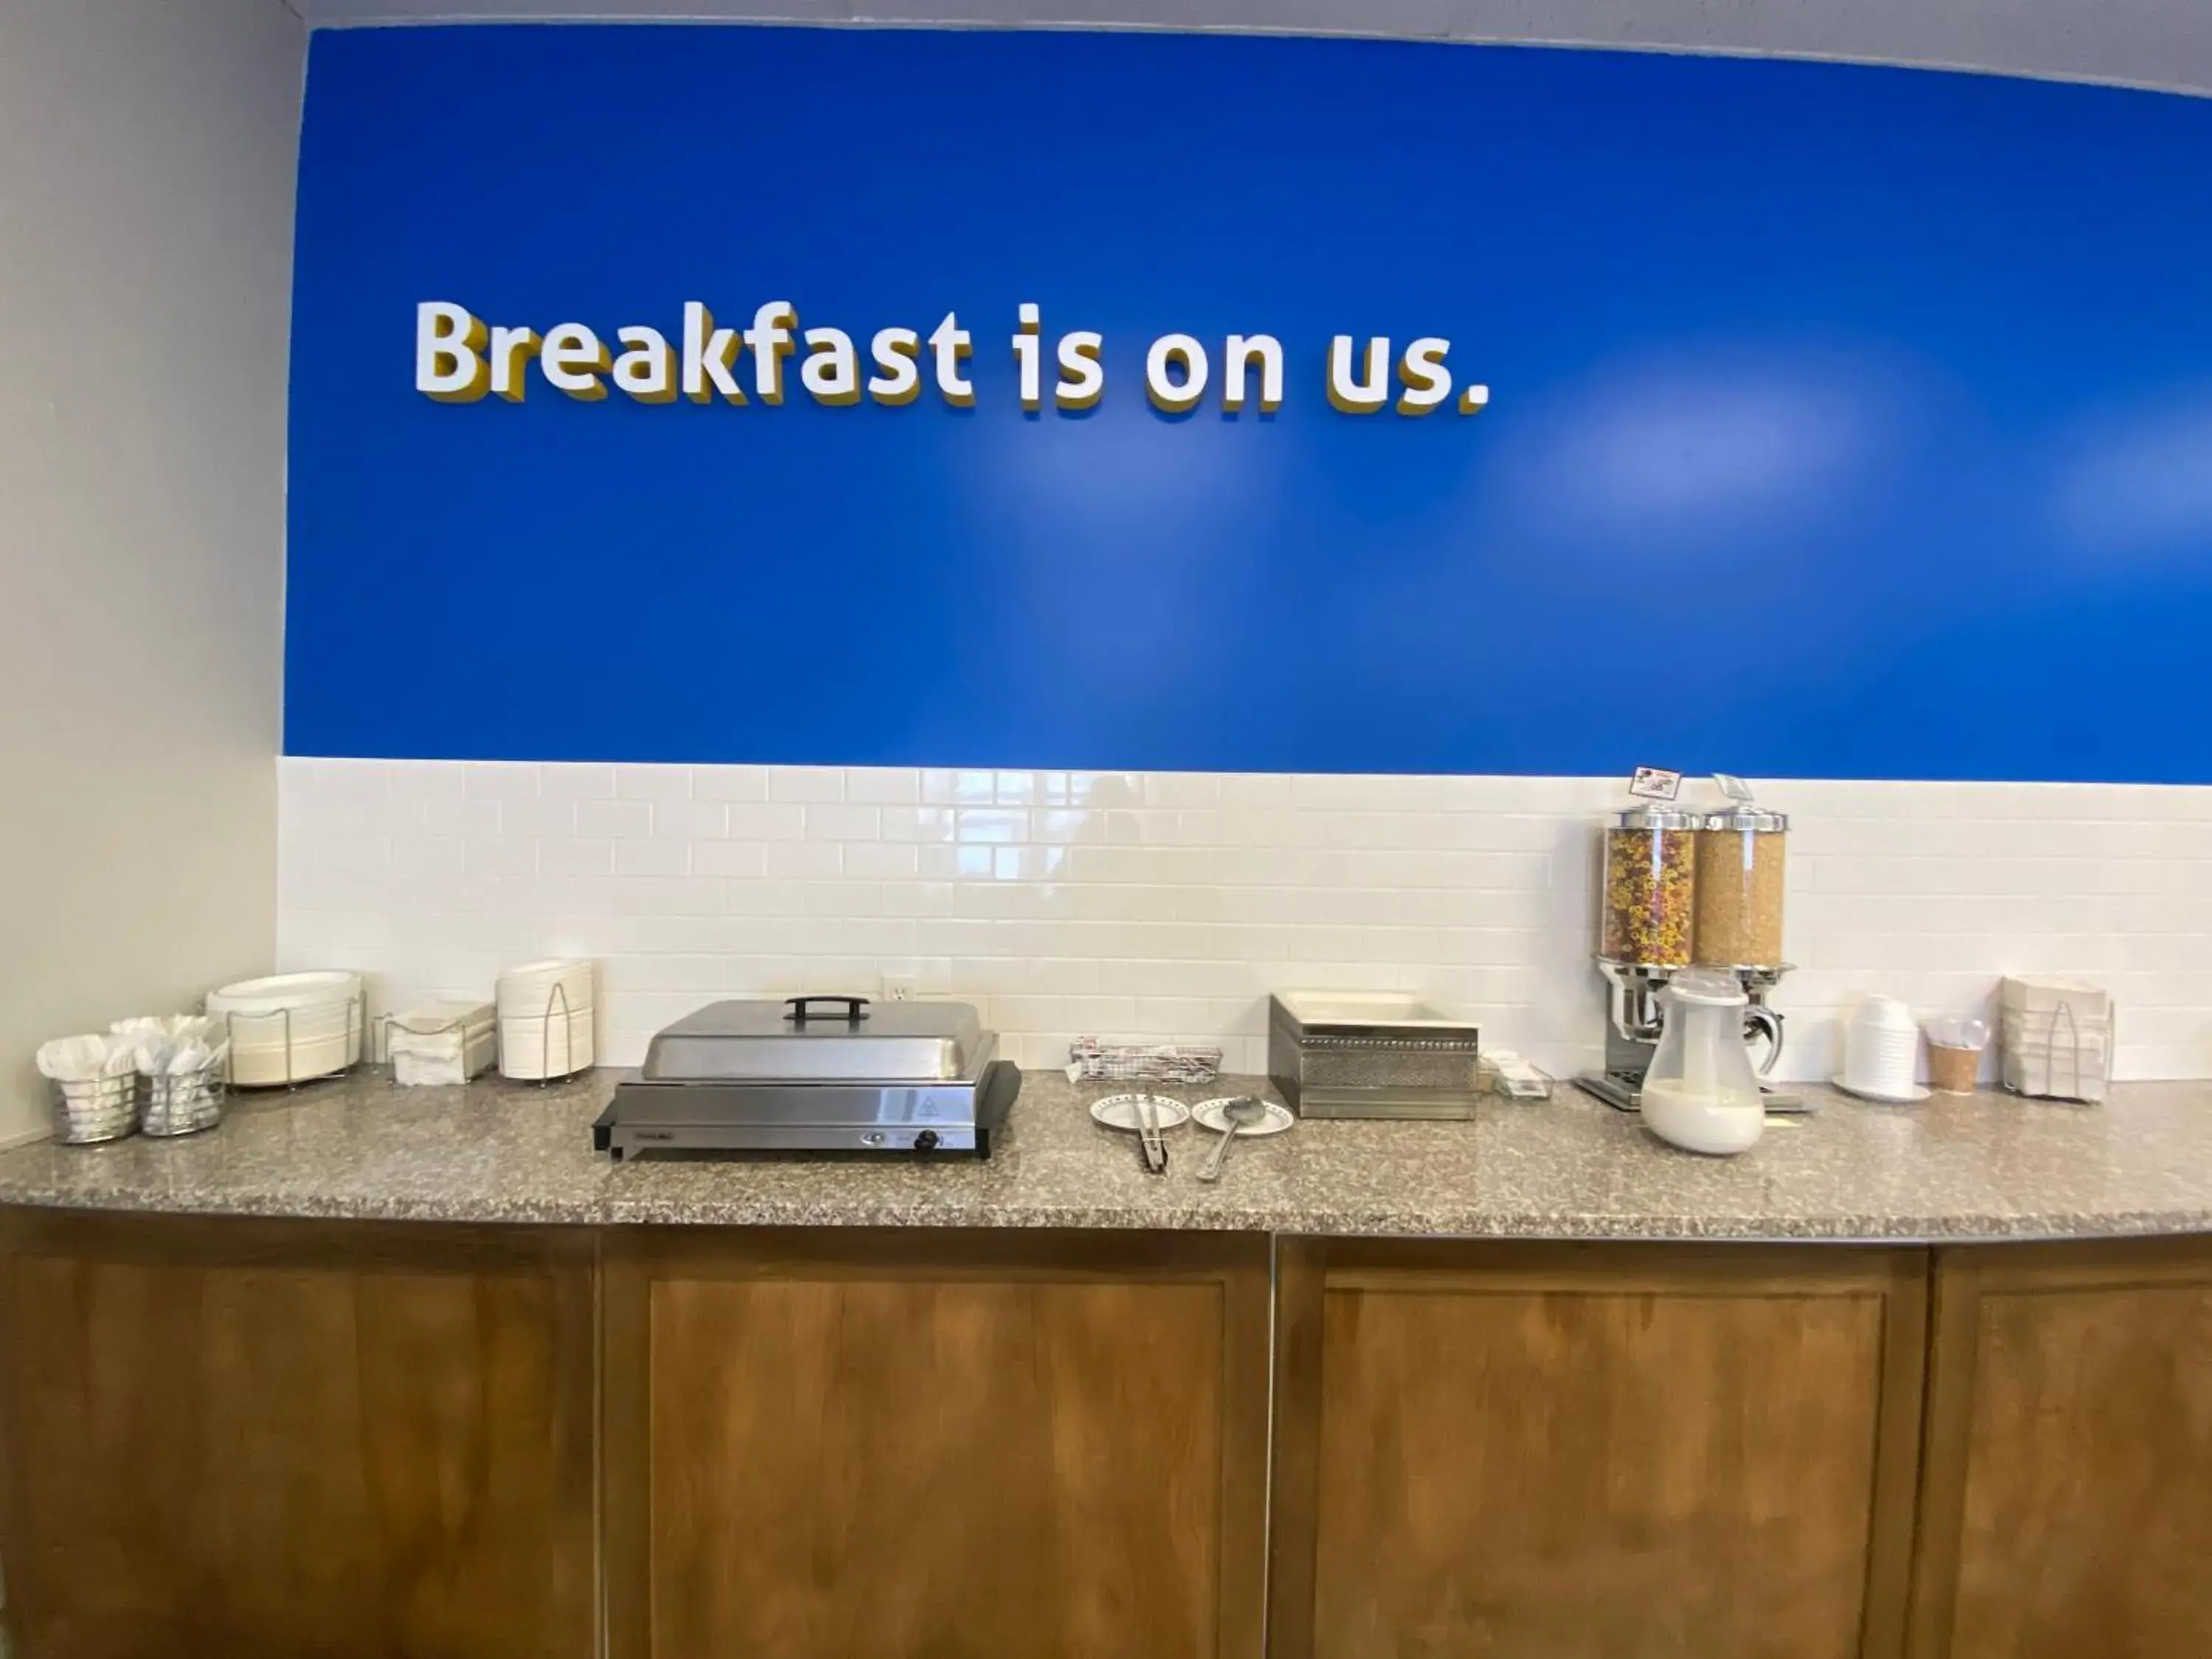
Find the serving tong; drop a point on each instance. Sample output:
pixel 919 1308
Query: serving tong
pixel 1151 1145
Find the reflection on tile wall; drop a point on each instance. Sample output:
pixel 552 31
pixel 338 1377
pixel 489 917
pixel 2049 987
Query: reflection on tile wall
pixel 1165 906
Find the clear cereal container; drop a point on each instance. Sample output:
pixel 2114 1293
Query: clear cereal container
pixel 1742 861
pixel 1647 911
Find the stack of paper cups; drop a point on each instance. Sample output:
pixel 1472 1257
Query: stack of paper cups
pixel 1881 1050
pixel 545 1019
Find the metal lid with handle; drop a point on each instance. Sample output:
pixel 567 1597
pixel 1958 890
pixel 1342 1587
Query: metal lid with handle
pixel 821 1039
pixel 856 1008
pixel 1740 813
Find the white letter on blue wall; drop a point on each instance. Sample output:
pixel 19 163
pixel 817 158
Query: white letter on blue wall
pixel 1359 397
pixel 448 345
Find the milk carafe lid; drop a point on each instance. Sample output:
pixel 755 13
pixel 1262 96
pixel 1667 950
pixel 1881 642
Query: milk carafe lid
pixel 1706 988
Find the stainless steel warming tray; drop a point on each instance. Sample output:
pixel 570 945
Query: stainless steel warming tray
pixel 815 1074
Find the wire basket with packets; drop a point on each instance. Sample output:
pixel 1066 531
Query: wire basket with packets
pixel 1090 1060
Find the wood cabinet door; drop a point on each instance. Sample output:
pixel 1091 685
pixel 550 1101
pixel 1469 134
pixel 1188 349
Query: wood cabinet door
pixel 913 1445
pixel 1583 1452
pixel 2067 1512
pixel 223 1438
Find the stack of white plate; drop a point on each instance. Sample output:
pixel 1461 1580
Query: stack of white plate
pixel 545 1019
pixel 289 1027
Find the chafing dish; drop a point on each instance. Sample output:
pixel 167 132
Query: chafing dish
pixel 815 1074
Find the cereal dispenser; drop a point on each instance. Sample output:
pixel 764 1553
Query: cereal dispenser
pixel 1650 888
pixel 1650 908
pixel 1740 887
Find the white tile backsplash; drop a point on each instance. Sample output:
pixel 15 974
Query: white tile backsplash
pixel 653 782
pixel 1165 906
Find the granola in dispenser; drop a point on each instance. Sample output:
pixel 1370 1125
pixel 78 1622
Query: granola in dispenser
pixel 1740 876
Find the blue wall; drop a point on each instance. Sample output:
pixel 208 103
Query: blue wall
pixel 1844 422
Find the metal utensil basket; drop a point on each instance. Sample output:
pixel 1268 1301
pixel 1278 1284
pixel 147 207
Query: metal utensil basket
pixel 96 1108
pixel 183 1104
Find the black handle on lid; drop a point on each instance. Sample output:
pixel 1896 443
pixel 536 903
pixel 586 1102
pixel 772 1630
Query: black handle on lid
pixel 856 1008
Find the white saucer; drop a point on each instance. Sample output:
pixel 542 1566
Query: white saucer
pixel 1209 1115
pixel 1911 1098
pixel 1120 1112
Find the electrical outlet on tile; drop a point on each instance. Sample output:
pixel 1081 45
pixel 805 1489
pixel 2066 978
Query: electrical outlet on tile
pixel 898 988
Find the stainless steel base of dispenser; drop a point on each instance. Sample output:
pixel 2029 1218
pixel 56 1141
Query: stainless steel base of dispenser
pixel 1635 1019
pixel 1623 1092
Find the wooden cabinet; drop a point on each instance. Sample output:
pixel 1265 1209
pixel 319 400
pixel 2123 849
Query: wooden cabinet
pixel 1558 1452
pixel 2068 1505
pixel 921 1445
pixel 222 1438
pixel 227 1436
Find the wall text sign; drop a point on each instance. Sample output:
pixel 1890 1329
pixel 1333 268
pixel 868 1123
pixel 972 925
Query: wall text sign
pixel 459 359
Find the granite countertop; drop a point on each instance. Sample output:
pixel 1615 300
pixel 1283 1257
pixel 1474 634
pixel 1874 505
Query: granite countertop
pixel 1983 1167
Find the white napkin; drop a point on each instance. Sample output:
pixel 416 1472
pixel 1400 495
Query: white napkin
pixel 193 1057
pixel 425 1071
pixel 85 1059
pixel 172 1045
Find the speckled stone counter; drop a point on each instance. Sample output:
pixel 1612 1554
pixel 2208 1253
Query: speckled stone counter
pixel 1988 1167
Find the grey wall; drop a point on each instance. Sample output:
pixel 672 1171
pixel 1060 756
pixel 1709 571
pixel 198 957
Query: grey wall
pixel 147 152
pixel 2156 43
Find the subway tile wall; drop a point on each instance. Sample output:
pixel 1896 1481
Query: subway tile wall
pixel 1165 906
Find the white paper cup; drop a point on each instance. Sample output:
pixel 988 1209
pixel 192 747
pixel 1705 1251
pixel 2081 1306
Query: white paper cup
pixel 1882 1049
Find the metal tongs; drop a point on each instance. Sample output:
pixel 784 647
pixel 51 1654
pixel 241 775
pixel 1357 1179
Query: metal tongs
pixel 1151 1148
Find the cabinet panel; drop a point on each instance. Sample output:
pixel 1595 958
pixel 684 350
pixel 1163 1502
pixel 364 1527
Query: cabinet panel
pixel 2070 1492
pixel 902 1445
pixel 227 1436
pixel 1551 1453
